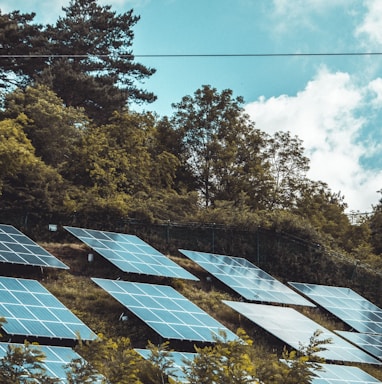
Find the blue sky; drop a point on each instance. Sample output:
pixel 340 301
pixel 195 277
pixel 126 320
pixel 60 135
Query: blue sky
pixel 332 103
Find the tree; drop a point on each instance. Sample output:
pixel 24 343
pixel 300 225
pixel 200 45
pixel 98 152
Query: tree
pixel 225 362
pixel 20 37
pixel 99 72
pixel 54 130
pixel 24 364
pixel 120 157
pixel 85 58
pixel 288 168
pixel 114 359
pixel 222 149
pixel 16 150
pixel 160 364
pixel 375 223
pixel 79 371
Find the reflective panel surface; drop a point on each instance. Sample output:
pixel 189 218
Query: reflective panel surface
pixel 246 278
pixel 177 358
pixel 31 310
pixel 56 358
pixel 342 374
pixel 295 329
pixel 165 310
pixel 17 248
pixel 367 341
pixel 347 305
pixel 130 254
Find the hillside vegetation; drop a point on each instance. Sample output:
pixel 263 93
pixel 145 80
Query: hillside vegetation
pixel 205 178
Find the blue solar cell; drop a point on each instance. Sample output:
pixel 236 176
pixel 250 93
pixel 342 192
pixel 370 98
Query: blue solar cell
pixel 246 279
pixel 16 248
pixel 295 329
pixel 347 305
pixel 31 310
pixel 368 342
pixel 55 361
pixel 180 320
pixel 130 254
pixel 342 374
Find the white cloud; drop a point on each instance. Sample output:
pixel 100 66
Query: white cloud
pixel 371 26
pixel 302 7
pixel 325 115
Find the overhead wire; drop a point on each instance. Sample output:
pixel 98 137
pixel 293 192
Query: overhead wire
pixel 186 55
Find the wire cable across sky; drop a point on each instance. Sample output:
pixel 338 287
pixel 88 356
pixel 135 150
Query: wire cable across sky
pixel 175 55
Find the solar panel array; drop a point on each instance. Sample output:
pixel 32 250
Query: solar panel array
pixel 17 248
pixel 31 310
pixel 367 341
pixel 346 304
pixel 165 310
pixel 342 374
pixel 130 254
pixel 246 279
pixel 294 328
pixel 56 358
pixel 178 363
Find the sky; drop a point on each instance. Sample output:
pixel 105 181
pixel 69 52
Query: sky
pixel 331 102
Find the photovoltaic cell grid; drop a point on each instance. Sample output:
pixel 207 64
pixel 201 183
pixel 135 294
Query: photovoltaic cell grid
pixel 342 374
pixel 165 310
pixel 56 358
pixel 246 279
pixel 294 328
pixel 366 341
pixel 178 362
pixel 17 248
pixel 347 305
pixel 31 310
pixel 130 254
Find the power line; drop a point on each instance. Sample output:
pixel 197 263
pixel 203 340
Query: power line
pixel 186 55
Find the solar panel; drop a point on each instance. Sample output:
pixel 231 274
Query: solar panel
pixel 17 248
pixel 342 374
pixel 178 362
pixel 246 279
pixel 347 305
pixel 295 329
pixel 56 358
pixel 367 341
pixel 130 254
pixel 165 310
pixel 31 310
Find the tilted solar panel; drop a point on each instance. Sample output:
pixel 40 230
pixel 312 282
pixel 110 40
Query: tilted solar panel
pixel 347 305
pixel 31 310
pixel 367 341
pixel 55 361
pixel 246 278
pixel 130 254
pixel 342 374
pixel 17 248
pixel 176 361
pixel 165 310
pixel 295 329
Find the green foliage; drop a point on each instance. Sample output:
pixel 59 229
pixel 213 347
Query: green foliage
pixel 113 358
pixel 221 148
pixel 159 365
pixel 16 150
pixel 24 364
pixel 53 129
pixel 225 362
pixel 288 167
pixel 100 73
pixel 79 371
